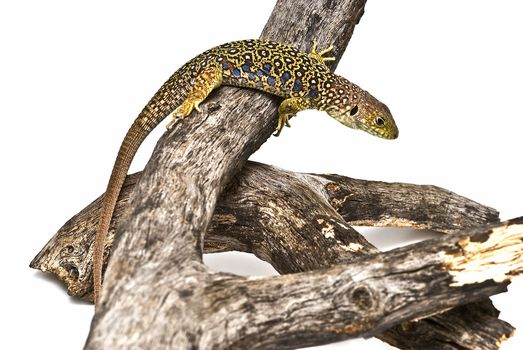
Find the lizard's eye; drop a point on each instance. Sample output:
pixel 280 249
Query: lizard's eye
pixel 379 121
pixel 353 111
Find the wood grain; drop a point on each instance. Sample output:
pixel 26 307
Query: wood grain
pixel 286 218
pixel 157 292
pixel 178 191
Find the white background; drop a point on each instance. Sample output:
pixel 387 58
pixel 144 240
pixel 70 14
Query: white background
pixel 74 75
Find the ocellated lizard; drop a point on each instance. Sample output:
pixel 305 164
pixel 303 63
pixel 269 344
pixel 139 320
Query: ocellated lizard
pixel 302 79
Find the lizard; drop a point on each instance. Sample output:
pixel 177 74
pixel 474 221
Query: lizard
pixel 302 79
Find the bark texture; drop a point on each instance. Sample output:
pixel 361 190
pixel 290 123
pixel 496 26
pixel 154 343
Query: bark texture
pixel 286 219
pixel 158 294
pixel 178 192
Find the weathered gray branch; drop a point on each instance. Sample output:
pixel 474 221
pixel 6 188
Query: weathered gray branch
pixel 285 218
pixel 365 298
pixel 277 215
pixel 151 271
pixel 157 293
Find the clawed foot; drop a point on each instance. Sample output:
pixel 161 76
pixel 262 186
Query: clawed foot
pixel 183 111
pixel 171 123
pixel 283 120
pixel 319 55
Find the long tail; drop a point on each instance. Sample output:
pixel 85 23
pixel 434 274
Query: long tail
pixel 168 97
pixel 130 145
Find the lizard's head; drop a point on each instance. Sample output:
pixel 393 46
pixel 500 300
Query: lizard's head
pixel 356 108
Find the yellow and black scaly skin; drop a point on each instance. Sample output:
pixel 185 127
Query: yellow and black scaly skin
pixel 302 79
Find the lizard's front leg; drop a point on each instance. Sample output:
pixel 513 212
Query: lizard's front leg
pixel 288 109
pixel 201 86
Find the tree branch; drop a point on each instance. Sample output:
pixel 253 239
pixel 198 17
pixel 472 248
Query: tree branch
pixel 363 299
pixel 151 270
pixel 156 286
pixel 275 214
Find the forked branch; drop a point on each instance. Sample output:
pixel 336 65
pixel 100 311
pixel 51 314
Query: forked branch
pixel 286 219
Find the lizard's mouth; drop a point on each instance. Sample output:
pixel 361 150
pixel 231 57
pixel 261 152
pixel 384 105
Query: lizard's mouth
pixel 389 132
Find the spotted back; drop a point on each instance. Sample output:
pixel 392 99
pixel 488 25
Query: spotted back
pixel 287 72
pixel 272 67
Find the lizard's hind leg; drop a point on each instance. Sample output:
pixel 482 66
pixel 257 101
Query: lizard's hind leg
pixel 201 86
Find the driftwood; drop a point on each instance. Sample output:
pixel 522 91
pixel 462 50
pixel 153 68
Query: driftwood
pixel 287 219
pixel 278 215
pixel 177 193
pixel 158 294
